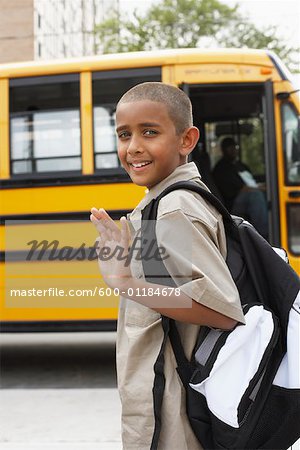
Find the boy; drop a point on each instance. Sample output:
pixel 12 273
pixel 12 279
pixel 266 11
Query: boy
pixel 155 137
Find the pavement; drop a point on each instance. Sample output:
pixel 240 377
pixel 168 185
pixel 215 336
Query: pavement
pixel 43 408
pixel 58 392
pixel 77 419
pixel 51 419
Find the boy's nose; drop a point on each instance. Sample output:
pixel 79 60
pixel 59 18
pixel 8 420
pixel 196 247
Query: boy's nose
pixel 134 146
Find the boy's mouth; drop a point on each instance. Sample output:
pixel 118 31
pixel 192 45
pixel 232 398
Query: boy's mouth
pixel 140 164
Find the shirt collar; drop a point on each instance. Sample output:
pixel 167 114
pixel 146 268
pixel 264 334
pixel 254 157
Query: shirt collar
pixel 185 172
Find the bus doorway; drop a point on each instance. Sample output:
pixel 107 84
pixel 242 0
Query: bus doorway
pixel 243 113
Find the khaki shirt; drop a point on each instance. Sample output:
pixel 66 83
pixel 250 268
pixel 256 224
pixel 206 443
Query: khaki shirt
pixel 193 233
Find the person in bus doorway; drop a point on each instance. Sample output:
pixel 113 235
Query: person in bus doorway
pixel 239 189
pixel 155 135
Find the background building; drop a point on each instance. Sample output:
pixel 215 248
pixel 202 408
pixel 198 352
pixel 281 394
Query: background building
pixel 16 30
pixel 46 29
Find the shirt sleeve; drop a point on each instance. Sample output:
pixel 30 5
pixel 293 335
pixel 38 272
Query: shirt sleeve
pixel 193 259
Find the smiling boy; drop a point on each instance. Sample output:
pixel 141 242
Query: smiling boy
pixel 155 137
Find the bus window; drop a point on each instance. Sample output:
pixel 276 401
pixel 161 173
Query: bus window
pixel 293 211
pixel 290 144
pixel 108 87
pixel 248 134
pixel 233 112
pixel 229 111
pixel 45 124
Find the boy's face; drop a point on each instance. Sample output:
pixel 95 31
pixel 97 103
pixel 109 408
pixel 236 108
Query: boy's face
pixel 148 146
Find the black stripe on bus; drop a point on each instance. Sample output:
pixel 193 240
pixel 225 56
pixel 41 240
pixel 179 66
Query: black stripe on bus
pixel 77 216
pixel 107 176
pixel 134 72
pixel 58 326
pixel 39 253
pixel 44 79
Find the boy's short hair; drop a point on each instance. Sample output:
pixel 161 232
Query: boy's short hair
pixel 177 102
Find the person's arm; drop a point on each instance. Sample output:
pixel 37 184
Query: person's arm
pixel 249 188
pixel 117 274
pixel 182 307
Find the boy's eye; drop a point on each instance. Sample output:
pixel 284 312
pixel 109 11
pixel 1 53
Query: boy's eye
pixel 150 132
pixel 123 134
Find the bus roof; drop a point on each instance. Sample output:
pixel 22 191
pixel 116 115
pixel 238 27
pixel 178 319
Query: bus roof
pixel 144 59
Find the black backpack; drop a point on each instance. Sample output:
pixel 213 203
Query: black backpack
pixel 264 412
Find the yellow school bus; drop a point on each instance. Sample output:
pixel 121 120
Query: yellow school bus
pixel 58 158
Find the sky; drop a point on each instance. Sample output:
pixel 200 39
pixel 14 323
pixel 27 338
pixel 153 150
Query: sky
pixel 285 14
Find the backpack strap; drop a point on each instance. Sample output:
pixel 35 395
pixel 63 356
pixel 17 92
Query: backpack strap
pixel 204 193
pixel 159 384
pixel 155 272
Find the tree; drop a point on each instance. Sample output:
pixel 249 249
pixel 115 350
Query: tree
pixel 246 34
pixel 169 24
pixel 185 23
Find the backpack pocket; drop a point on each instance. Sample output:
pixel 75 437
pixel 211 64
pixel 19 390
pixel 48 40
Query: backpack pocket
pixel 244 394
pixel 278 424
pixel 231 375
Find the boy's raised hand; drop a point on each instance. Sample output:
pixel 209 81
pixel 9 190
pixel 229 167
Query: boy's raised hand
pixel 112 249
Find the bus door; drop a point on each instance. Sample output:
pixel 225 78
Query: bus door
pixel 245 112
pixel 289 169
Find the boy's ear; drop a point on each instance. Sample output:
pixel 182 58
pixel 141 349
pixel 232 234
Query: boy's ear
pixel 190 138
